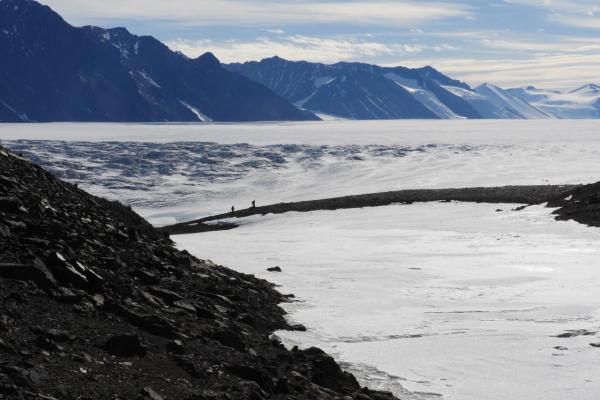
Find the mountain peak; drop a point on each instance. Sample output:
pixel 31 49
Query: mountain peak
pixel 208 59
pixel 274 59
pixel 486 85
pixel 590 87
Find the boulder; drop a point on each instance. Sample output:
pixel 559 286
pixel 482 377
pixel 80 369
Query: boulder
pixel 125 345
pixel 35 272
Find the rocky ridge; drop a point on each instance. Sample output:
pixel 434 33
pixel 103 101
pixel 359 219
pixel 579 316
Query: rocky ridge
pixel 97 304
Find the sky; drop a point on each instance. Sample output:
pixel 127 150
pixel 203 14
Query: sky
pixel 552 44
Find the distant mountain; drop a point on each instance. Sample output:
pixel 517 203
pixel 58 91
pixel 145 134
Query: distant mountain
pixel 348 90
pixel 513 106
pixel 580 103
pixel 360 91
pixel 52 71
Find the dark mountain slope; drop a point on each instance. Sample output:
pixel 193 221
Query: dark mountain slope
pixel 96 304
pixel 361 91
pixel 349 90
pixel 52 71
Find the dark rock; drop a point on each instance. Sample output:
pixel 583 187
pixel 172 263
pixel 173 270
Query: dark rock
pixel 176 346
pixel 10 205
pixel 66 272
pixel 147 277
pixel 327 373
pixel 167 295
pixel 274 269
pixel 151 323
pixel 151 394
pixel 56 335
pixel 69 296
pixel 127 345
pixel 595 344
pixel 5 231
pixel 204 313
pixel 47 344
pixel 6 348
pixel 575 333
pixel 282 386
pixel 253 374
pixel 297 328
pixel 185 306
pixel 230 339
pixel 35 272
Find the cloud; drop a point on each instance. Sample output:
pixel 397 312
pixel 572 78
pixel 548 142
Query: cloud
pixel 261 13
pixel 275 31
pixel 580 13
pixel 295 47
pixel 558 71
pixel 550 44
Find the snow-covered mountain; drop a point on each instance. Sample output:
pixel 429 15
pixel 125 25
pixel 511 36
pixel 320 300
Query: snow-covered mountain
pixel 52 71
pixel 348 90
pixel 580 103
pixel 363 91
pixel 511 106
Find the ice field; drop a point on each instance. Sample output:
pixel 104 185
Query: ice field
pixel 463 301
pixel 452 299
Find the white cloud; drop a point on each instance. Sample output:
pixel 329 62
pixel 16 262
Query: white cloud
pixel 256 12
pixel 575 13
pixel 296 47
pixel 276 31
pixel 577 21
pixel 557 71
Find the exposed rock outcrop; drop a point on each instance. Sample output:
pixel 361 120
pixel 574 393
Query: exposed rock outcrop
pixel 97 304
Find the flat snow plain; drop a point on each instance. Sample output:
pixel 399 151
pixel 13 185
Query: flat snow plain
pixel 457 300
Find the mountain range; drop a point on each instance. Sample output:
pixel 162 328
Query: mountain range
pixel 362 91
pixel 52 71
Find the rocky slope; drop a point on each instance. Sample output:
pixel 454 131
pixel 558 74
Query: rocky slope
pixel 581 205
pixel 52 71
pixel 96 304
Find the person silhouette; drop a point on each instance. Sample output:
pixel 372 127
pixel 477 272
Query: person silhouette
pixel 232 209
pixel 253 203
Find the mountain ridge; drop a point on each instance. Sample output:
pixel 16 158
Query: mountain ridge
pixel 57 72
pixel 316 87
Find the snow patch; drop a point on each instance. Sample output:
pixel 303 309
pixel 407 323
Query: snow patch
pixel 149 79
pixel 201 116
pixel 323 80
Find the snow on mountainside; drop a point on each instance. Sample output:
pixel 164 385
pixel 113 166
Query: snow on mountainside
pixel 580 103
pixel 363 91
pixel 52 71
pixel 513 106
pixel 360 91
pixel 347 90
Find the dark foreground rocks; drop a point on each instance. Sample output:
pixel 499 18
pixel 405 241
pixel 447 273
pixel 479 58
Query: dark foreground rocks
pixel 581 205
pixel 96 304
